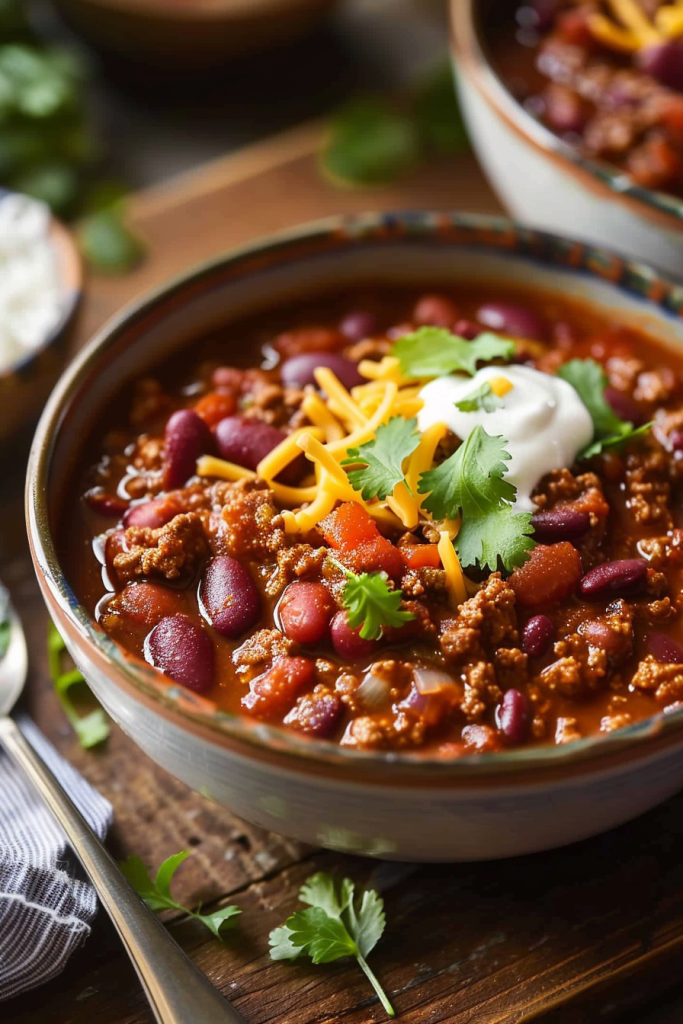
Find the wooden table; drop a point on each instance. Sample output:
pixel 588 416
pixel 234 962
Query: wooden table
pixel 574 935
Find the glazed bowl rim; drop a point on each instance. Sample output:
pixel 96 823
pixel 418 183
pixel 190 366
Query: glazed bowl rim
pixel 469 43
pixel 205 11
pixel 71 287
pixel 196 714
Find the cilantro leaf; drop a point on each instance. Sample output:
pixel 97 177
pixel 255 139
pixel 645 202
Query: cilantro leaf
pixel 470 484
pixel 382 458
pixel 483 397
pixel 107 242
pixel 370 143
pixel 92 728
pixel 589 380
pixel 437 112
pixel 370 603
pixel 435 351
pixel 157 893
pixel 334 925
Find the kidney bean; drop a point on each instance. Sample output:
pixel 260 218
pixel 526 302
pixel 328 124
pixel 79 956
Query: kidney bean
pixel 664 62
pixel 551 574
pixel 623 405
pixel 153 513
pixel 542 14
pixel 560 523
pixel 182 650
pixel 537 636
pixel 663 648
pixel 316 714
pixel 229 597
pixel 512 716
pixel 347 642
pixel 299 370
pixel 148 603
pixel 215 406
pixel 186 438
pixel 274 691
pixel 305 612
pixel 513 318
pixel 565 111
pixel 435 311
pixel 676 440
pixel 467 329
pixel 601 634
pixel 309 339
pixel 246 441
pixel 623 578
pixel 109 505
pixel 359 324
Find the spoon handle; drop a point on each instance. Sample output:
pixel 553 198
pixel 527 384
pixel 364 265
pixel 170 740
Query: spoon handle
pixel 177 991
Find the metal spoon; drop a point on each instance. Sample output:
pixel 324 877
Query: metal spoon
pixel 177 991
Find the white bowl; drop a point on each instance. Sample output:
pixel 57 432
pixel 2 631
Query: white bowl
pixel 391 805
pixel 542 180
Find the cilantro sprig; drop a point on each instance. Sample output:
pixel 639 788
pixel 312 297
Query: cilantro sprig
pixel 92 728
pixel 336 924
pixel 380 460
pixel 436 351
pixel 482 397
pixel 470 484
pixel 370 603
pixel 589 380
pixel 157 893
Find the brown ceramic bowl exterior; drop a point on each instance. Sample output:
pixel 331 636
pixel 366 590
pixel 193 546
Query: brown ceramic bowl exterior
pixel 191 34
pixel 25 386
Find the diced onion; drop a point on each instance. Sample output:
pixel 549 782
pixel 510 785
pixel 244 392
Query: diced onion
pixel 373 692
pixel 432 680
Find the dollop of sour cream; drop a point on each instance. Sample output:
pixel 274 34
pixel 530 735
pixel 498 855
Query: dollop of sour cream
pixel 31 297
pixel 542 418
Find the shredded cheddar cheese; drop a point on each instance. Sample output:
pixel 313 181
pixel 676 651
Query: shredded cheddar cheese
pixel 288 450
pixel 338 398
pixel 631 29
pixel 455 580
pixel 318 413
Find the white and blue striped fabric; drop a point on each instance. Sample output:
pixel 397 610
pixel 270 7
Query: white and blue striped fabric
pixel 46 906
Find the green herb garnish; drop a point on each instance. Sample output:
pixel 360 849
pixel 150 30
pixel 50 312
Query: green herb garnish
pixel 382 458
pixel 108 243
pixel 157 893
pixel 370 603
pixel 589 380
pixel 437 112
pixel 483 397
pixel 435 351
pixel 471 485
pixel 90 729
pixel 370 143
pixel 335 925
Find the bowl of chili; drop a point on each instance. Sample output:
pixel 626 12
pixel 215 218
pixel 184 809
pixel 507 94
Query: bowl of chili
pixel 363 535
pixel 576 116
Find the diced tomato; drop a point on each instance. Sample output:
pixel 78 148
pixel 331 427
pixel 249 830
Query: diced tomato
pixel 671 115
pixel 551 574
pixel 215 406
pixel 149 603
pixel 421 556
pixel 352 531
pixel 274 692
pixel 573 27
pixel 655 163
pixel 309 339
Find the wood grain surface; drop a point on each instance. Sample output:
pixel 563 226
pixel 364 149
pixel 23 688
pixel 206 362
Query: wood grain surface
pixel 580 934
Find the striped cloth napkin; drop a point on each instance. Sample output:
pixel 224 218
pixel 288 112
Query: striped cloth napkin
pixel 46 906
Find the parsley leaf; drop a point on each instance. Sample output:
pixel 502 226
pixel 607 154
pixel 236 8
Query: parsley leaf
pixel 482 397
pixel 370 603
pixel 90 729
pixel 471 484
pixel 335 925
pixel 157 893
pixel 435 351
pixel 107 242
pixel 382 458
pixel 370 143
pixel 589 380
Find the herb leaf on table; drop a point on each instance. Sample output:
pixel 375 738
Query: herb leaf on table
pixel 369 143
pixel 157 893
pixel 589 380
pixel 335 925
pixel 90 729
pixel 436 351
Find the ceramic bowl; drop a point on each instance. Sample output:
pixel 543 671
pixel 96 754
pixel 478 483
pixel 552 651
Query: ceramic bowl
pixel 25 385
pixel 191 34
pixel 399 806
pixel 542 180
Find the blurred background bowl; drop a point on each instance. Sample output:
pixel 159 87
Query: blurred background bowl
pixel 190 34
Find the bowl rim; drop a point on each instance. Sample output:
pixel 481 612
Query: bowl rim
pixel 470 48
pixel 70 269
pixel 201 11
pixel 200 716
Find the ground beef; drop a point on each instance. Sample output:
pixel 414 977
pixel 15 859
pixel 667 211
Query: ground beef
pixel 171 551
pixel 254 528
pixel 567 730
pixel 648 488
pixel 512 667
pixel 483 623
pixel 260 649
pixel 663 551
pixel 402 732
pixel 150 402
pixel 611 632
pixel 580 667
pixel 273 404
pixel 665 680
pixel 584 493
pixel 481 690
pixel 425 583
pixel 294 563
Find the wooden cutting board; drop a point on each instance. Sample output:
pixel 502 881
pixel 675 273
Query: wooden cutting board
pixel 574 935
